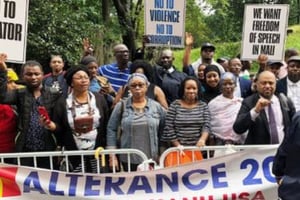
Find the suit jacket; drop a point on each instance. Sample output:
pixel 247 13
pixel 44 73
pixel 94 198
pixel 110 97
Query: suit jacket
pixel 245 86
pixel 258 130
pixel 281 86
pixel 287 162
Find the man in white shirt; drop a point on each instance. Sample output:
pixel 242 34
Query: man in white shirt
pixel 207 52
pixel 290 85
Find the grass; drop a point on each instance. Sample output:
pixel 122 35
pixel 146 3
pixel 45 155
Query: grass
pixel 232 49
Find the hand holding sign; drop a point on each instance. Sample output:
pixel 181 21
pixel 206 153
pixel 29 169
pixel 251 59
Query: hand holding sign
pixel 3 58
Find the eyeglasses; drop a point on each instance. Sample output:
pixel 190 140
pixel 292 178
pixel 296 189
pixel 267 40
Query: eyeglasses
pixel 81 78
pixel 140 85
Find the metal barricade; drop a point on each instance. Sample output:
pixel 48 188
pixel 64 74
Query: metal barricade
pixel 204 150
pixel 100 154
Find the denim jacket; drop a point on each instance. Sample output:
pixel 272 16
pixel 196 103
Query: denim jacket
pixel 155 114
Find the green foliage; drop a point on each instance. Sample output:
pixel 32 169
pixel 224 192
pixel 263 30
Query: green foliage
pixel 58 27
pixel 195 24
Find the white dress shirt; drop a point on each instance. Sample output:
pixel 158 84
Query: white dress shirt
pixel 293 92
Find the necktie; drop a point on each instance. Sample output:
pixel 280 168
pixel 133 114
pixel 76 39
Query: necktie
pixel 272 125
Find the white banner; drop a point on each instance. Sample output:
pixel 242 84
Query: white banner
pixel 243 175
pixel 164 22
pixel 13 29
pixel 264 31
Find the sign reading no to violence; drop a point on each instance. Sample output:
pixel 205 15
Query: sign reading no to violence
pixel 164 22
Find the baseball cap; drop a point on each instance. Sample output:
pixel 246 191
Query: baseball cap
pixel 207 45
pixel 272 62
pixel 293 58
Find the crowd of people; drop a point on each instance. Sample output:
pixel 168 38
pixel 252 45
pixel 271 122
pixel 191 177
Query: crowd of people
pixel 136 105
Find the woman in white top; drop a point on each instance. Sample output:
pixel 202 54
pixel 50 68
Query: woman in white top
pixel 223 110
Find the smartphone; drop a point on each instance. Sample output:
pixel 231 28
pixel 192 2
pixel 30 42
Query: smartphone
pixel 42 110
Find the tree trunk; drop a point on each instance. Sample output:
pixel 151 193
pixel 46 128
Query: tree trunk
pixel 122 7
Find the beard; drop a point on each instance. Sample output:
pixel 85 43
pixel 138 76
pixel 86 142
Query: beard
pixel 294 77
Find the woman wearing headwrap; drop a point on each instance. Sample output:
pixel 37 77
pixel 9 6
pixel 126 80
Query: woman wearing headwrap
pixel 223 110
pixel 141 120
pixel 81 119
pixel 153 91
pixel 212 83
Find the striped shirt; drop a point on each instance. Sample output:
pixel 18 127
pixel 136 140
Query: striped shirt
pixel 115 76
pixel 186 124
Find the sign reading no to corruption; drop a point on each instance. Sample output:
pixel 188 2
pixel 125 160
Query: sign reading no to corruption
pixel 264 31
pixel 13 29
pixel 164 22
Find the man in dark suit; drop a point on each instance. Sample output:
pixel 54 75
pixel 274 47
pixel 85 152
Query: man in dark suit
pixel 286 166
pixel 243 86
pixel 264 115
pixel 167 77
pixel 290 85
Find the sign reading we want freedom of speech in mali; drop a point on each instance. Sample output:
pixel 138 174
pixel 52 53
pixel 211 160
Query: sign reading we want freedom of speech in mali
pixel 13 29
pixel 264 31
pixel 164 22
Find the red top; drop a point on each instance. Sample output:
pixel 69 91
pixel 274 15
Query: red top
pixel 8 124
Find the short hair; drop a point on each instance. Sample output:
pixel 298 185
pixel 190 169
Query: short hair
pixel 32 63
pixel 182 85
pixel 148 70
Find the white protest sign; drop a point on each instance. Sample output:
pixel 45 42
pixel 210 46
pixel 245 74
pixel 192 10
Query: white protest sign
pixel 264 31
pixel 164 22
pixel 13 29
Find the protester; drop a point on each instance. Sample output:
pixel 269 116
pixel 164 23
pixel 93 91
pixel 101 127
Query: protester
pixel 274 67
pixel 188 118
pixel 287 54
pixel 81 119
pixel 55 80
pixel 154 92
pixel 8 116
pixel 243 86
pixel 141 121
pixel 290 85
pixel 207 53
pixel 167 77
pixel 98 83
pixel 117 73
pixel 257 113
pixel 286 163
pixel 33 128
pixel 223 62
pixel 212 83
pixel 223 111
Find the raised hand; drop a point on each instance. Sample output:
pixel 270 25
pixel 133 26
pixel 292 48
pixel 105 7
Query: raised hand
pixel 3 58
pixel 87 47
pixel 189 40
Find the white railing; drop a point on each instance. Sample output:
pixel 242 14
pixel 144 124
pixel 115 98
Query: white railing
pixel 102 156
